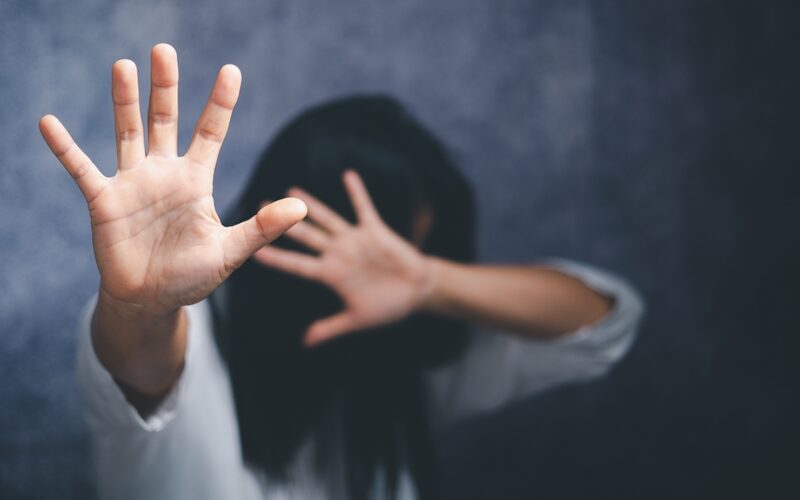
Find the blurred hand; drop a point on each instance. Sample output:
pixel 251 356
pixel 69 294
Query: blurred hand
pixel 379 276
pixel 157 239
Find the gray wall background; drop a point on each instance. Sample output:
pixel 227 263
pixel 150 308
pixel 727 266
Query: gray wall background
pixel 653 138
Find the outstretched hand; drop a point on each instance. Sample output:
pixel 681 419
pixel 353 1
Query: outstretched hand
pixel 379 276
pixel 157 238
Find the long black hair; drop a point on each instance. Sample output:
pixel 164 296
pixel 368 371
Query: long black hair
pixel 360 398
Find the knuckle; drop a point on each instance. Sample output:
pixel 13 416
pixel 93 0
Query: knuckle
pixel 209 135
pixel 129 134
pixel 164 119
pixel 81 170
pixel 67 150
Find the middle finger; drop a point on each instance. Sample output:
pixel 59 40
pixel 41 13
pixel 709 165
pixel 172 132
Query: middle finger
pixel 162 116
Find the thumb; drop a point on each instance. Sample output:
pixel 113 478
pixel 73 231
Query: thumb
pixel 245 238
pixel 331 327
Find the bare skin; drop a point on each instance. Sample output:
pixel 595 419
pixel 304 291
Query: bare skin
pixel 382 278
pixel 158 241
pixel 159 245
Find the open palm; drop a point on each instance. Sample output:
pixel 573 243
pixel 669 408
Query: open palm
pixel 380 277
pixel 157 238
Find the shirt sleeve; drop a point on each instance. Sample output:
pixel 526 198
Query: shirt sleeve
pixel 499 368
pixel 105 405
pixel 188 448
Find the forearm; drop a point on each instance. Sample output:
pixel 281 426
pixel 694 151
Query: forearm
pixel 531 301
pixel 143 352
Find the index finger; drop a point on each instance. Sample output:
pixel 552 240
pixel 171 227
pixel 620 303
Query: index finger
pixel 320 213
pixel 215 118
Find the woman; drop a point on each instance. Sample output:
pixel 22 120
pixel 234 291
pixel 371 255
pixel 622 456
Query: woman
pixel 318 368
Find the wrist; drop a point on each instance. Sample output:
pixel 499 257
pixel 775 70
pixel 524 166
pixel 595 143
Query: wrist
pixel 430 288
pixel 142 349
pixel 131 312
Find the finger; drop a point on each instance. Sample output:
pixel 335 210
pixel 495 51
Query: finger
pixel 328 328
pixel 320 213
pixel 127 116
pixel 270 222
pixel 88 178
pixel 215 118
pixel 359 197
pixel 287 261
pixel 162 114
pixel 309 235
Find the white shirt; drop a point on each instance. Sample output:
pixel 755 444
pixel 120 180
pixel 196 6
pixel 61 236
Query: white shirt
pixel 189 448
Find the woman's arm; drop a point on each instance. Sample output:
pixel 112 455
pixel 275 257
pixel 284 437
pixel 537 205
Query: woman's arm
pixel 143 352
pixel 531 301
pixel 158 242
pixel 158 454
pixel 382 278
pixel 499 369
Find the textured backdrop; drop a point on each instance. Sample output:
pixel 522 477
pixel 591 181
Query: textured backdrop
pixel 652 138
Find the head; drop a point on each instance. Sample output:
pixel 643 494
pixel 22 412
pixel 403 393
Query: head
pixel 361 396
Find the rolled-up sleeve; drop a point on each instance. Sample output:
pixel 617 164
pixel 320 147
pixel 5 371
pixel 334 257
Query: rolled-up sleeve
pixel 606 341
pixel 499 368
